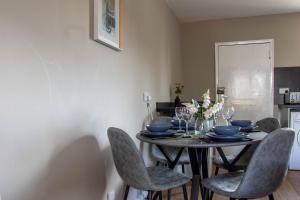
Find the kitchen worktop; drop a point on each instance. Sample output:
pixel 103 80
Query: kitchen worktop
pixel 297 105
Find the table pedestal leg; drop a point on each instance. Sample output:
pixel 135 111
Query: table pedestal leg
pixel 204 167
pixel 196 173
pixel 198 158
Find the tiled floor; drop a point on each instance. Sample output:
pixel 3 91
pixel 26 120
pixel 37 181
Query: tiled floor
pixel 289 190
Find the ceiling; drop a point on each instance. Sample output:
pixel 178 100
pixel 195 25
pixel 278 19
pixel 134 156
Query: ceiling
pixel 196 10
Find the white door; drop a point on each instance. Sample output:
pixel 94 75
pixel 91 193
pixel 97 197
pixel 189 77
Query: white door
pixel 245 69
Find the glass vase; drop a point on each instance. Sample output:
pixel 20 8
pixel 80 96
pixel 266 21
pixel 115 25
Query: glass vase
pixel 203 126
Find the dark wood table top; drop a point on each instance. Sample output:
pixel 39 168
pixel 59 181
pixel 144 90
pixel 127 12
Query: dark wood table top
pixel 197 142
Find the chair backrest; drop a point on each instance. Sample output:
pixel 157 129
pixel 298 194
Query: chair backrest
pixel 268 125
pixel 127 159
pixel 268 165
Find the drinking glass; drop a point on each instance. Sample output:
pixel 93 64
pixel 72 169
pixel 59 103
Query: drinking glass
pixel 187 116
pixel 227 114
pixel 178 113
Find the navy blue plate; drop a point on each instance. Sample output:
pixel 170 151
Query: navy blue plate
pixel 228 138
pixel 191 128
pixel 158 134
pixel 248 129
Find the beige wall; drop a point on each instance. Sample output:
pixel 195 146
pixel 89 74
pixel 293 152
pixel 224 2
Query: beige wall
pixel 60 91
pixel 199 39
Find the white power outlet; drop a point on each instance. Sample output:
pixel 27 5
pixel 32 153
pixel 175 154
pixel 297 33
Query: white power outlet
pixel 283 90
pixel 146 97
pixel 110 195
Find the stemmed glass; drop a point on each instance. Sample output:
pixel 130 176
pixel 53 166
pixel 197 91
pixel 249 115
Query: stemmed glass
pixel 178 113
pixel 227 114
pixel 187 116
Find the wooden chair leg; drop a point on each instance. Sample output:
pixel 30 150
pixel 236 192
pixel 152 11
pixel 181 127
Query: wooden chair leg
pixel 271 197
pixel 126 192
pixel 185 195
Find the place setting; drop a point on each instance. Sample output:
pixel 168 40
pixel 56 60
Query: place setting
pixel 160 130
pixel 238 131
pixel 181 125
pixel 234 130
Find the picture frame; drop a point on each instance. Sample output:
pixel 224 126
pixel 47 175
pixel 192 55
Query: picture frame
pixel 108 23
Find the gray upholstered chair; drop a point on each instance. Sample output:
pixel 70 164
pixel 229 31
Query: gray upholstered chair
pixel 267 125
pixel 133 171
pixel 265 173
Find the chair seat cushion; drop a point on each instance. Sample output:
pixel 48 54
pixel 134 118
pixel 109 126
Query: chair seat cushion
pixel 224 184
pixel 163 178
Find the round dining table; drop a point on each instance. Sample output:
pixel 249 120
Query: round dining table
pixel 198 153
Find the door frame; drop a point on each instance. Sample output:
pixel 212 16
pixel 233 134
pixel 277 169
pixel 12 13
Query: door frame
pixel 263 41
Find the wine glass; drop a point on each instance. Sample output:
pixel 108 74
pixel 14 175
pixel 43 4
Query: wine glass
pixel 178 113
pixel 187 116
pixel 227 113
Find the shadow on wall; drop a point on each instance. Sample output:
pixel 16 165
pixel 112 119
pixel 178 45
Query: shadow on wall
pixel 76 173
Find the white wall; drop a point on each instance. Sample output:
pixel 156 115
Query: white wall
pixel 60 91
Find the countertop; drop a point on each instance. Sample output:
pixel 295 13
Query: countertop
pixel 289 105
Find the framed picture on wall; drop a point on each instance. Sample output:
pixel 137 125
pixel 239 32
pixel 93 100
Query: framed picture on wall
pixel 108 23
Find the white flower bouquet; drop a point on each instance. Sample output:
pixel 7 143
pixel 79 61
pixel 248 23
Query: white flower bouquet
pixel 208 109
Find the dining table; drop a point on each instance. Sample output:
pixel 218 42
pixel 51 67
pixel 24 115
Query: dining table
pixel 198 147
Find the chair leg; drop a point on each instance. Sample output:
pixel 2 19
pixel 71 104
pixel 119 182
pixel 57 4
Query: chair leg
pixel 232 198
pixel 206 194
pixel 160 195
pixel 126 192
pixel 211 195
pixel 182 169
pixel 149 197
pixel 185 195
pixel 216 171
pixel 157 163
pixel 271 197
pixel 169 194
pixel 155 195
